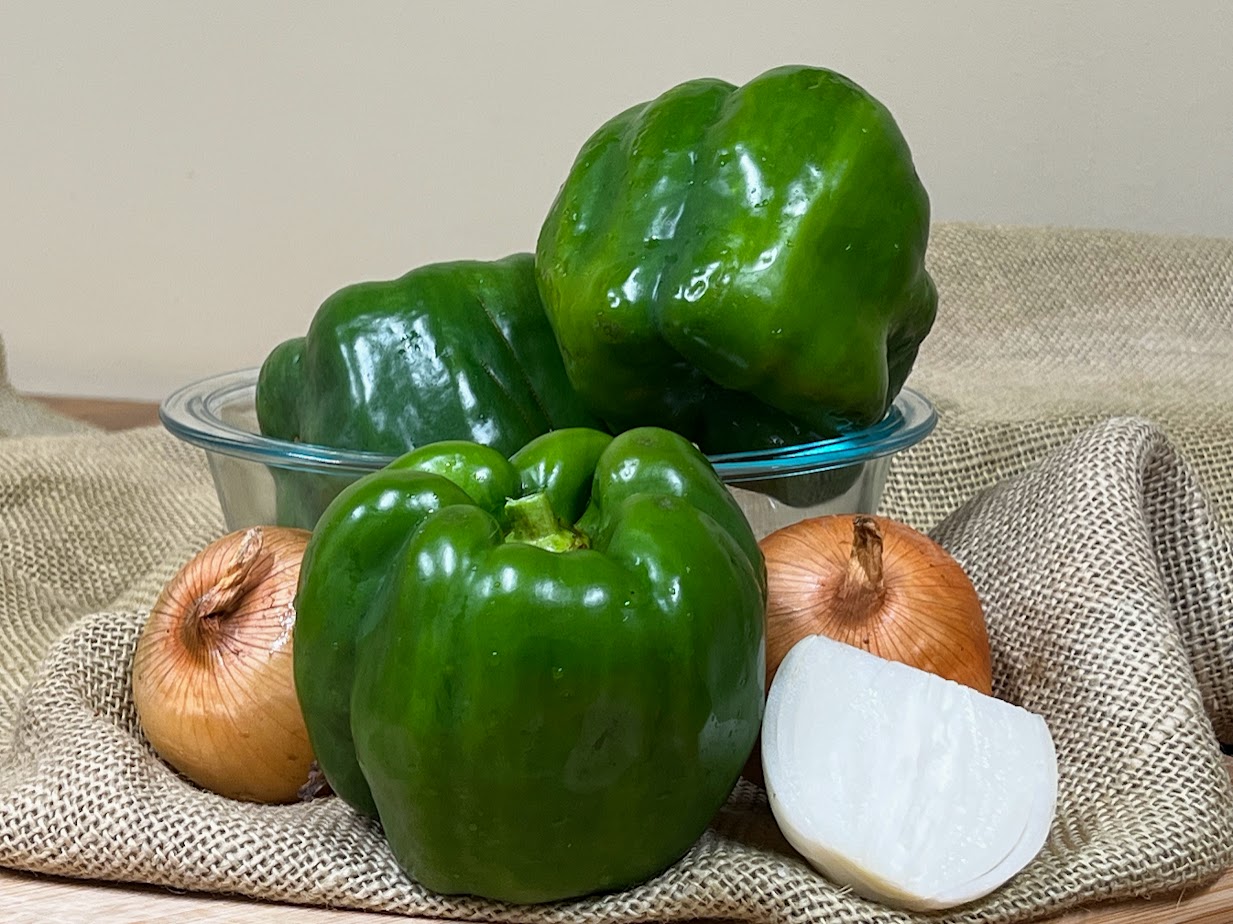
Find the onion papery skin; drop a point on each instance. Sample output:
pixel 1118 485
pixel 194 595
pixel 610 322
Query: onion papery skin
pixel 212 674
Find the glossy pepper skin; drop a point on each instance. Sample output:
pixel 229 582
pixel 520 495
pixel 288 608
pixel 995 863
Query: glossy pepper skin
pixel 744 265
pixel 542 674
pixel 459 350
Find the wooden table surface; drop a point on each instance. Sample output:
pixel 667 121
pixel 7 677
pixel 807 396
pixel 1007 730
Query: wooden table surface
pixel 26 897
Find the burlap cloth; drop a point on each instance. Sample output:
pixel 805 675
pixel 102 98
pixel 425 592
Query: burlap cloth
pixel 1081 471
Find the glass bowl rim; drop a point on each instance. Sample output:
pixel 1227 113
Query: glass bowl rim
pixel 192 413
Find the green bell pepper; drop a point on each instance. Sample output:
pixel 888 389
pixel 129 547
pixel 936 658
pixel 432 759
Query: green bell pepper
pixel 459 350
pixel 543 674
pixel 744 265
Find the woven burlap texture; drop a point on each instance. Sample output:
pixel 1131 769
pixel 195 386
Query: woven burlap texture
pixel 1043 331
pixel 1095 537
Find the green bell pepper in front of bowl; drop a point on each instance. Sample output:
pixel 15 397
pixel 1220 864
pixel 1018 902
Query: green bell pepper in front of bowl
pixel 459 350
pixel 744 265
pixel 543 674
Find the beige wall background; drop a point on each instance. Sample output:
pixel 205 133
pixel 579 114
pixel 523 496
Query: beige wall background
pixel 185 182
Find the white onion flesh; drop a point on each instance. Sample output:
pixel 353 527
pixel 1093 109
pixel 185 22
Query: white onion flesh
pixel 913 790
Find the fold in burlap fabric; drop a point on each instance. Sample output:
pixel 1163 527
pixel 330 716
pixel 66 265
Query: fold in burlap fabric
pixel 1090 524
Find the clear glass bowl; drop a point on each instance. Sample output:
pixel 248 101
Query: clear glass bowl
pixel 775 488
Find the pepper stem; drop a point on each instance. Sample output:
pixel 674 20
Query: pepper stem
pixel 532 520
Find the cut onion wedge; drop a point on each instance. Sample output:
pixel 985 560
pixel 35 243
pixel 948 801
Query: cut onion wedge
pixel 913 790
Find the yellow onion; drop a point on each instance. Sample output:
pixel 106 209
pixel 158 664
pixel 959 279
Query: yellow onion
pixel 212 671
pixel 879 585
pixel 876 584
